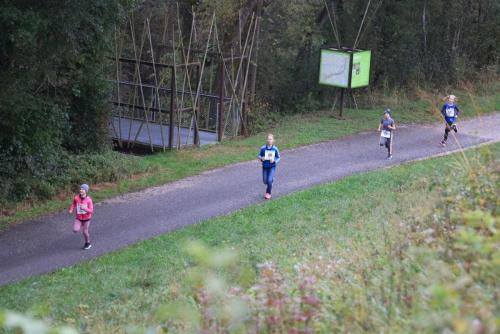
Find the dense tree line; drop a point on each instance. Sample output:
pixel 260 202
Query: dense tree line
pixel 52 92
pixel 427 43
pixel 53 58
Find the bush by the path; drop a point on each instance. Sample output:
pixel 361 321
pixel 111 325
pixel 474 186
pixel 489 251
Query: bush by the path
pixel 42 180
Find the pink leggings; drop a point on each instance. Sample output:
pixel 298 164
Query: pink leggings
pixel 85 228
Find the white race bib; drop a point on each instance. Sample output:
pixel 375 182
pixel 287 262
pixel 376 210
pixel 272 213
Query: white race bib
pixel 80 207
pixel 450 112
pixel 385 134
pixel 269 154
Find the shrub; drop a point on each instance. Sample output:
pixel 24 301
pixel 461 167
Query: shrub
pixel 43 179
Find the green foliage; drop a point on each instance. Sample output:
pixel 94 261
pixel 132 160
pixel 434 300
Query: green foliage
pixel 436 273
pixel 53 59
pixel 414 44
pixel 52 92
pixel 44 179
pixel 289 54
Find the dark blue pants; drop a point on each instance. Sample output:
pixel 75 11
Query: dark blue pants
pixel 268 177
pixel 447 130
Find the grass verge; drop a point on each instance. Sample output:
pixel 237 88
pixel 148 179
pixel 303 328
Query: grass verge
pixel 345 220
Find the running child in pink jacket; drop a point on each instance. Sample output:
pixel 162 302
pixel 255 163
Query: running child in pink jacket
pixel 84 210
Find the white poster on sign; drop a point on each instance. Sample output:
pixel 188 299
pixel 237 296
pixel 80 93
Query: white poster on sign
pixel 334 68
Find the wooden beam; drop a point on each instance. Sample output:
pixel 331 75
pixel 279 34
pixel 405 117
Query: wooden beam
pixel 149 63
pixel 173 97
pixel 220 126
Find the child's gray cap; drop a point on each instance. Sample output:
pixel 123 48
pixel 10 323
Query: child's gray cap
pixel 85 187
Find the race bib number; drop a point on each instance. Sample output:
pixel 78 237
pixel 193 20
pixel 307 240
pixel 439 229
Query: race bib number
pixel 269 154
pixel 80 207
pixel 450 112
pixel 385 134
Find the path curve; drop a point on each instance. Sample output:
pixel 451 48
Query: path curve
pixel 45 244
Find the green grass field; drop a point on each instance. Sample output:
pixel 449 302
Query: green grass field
pixel 352 220
pixel 290 131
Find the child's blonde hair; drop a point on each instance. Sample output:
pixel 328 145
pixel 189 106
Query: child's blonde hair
pixel 270 135
pixel 450 97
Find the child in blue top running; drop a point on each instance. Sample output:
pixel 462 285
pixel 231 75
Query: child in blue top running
pixel 386 128
pixel 269 155
pixel 450 113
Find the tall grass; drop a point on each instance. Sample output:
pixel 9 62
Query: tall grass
pixel 435 273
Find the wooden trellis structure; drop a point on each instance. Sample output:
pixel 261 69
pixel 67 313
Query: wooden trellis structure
pixel 170 95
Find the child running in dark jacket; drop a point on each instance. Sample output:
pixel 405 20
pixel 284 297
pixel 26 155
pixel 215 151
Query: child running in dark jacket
pixel 269 155
pixel 450 113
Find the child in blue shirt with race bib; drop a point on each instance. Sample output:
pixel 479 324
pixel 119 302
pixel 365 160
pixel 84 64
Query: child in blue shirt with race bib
pixel 450 114
pixel 386 128
pixel 269 155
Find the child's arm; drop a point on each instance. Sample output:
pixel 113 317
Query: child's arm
pixel 72 206
pixel 261 155
pixel 392 126
pixel 457 111
pixel 277 156
pixel 90 207
pixel 443 110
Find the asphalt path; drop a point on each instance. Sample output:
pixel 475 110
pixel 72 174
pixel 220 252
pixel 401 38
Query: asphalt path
pixel 47 243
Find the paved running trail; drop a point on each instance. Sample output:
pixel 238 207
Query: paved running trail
pixel 48 243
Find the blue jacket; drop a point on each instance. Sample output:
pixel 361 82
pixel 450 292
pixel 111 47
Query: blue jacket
pixel 450 112
pixel 266 152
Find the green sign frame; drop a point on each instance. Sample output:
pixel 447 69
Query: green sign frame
pixel 360 75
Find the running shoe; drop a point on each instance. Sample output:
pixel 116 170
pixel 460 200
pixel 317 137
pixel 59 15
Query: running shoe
pixel 443 143
pixel 267 196
pixel 87 245
pixel 389 157
pixel 454 127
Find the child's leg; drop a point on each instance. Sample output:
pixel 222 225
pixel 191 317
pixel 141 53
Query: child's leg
pixel 270 179
pixel 446 132
pixel 265 178
pixel 86 234
pixel 76 226
pixel 387 145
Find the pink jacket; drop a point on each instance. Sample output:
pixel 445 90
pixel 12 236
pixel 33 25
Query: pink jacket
pixel 84 207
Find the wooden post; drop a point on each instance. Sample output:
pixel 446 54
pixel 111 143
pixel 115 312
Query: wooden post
pixel 196 110
pixel 342 91
pixel 173 95
pixel 348 84
pixel 220 126
pixel 244 118
pixel 256 54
